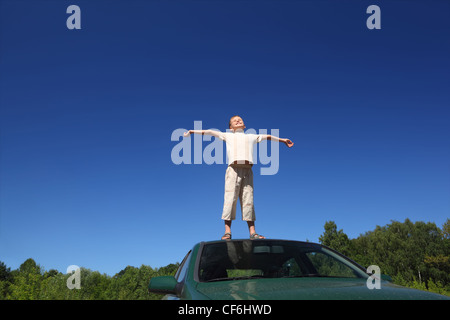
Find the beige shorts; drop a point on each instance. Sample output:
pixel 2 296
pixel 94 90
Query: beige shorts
pixel 239 184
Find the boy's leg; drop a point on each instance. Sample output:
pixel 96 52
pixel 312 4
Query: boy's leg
pixel 251 227
pixel 230 199
pixel 252 230
pixel 247 205
pixel 227 230
pixel 231 196
pixel 246 196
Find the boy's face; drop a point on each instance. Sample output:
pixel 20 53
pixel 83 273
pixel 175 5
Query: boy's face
pixel 237 123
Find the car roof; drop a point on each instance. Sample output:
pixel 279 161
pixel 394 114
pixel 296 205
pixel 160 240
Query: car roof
pixel 263 241
pixel 259 240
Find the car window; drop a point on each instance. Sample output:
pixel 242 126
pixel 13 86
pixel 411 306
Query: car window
pixel 181 272
pixel 329 266
pixel 238 260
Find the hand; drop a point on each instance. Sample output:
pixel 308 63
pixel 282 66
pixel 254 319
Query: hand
pixel 187 133
pixel 288 143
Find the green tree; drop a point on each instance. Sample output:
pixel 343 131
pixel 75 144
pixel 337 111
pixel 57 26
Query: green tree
pixel 26 282
pixel 446 229
pixel 124 284
pixel 411 253
pixel 5 280
pixel 335 239
pixel 53 287
pixel 94 286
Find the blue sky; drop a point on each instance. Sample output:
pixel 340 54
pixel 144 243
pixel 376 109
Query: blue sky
pixel 86 117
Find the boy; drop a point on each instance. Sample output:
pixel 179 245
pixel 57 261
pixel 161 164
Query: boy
pixel 239 174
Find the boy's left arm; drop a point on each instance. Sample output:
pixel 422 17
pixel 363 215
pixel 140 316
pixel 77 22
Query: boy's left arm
pixel 287 142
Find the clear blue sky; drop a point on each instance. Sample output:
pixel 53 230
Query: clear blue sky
pixel 86 117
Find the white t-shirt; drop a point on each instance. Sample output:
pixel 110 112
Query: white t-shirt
pixel 239 144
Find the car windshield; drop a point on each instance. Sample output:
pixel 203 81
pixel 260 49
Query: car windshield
pixel 249 259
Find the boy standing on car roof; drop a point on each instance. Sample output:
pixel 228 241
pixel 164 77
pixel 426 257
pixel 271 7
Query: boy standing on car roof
pixel 239 174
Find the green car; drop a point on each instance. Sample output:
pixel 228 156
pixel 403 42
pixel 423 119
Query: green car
pixel 275 270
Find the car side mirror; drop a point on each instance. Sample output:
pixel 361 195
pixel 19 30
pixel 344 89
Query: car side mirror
pixel 162 285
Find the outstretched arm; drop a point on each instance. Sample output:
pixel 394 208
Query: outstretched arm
pixel 287 142
pixel 202 132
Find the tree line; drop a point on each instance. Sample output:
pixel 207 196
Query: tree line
pixel 415 255
pixel 31 282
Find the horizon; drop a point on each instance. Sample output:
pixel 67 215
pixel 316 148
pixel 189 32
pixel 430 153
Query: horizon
pixel 73 267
